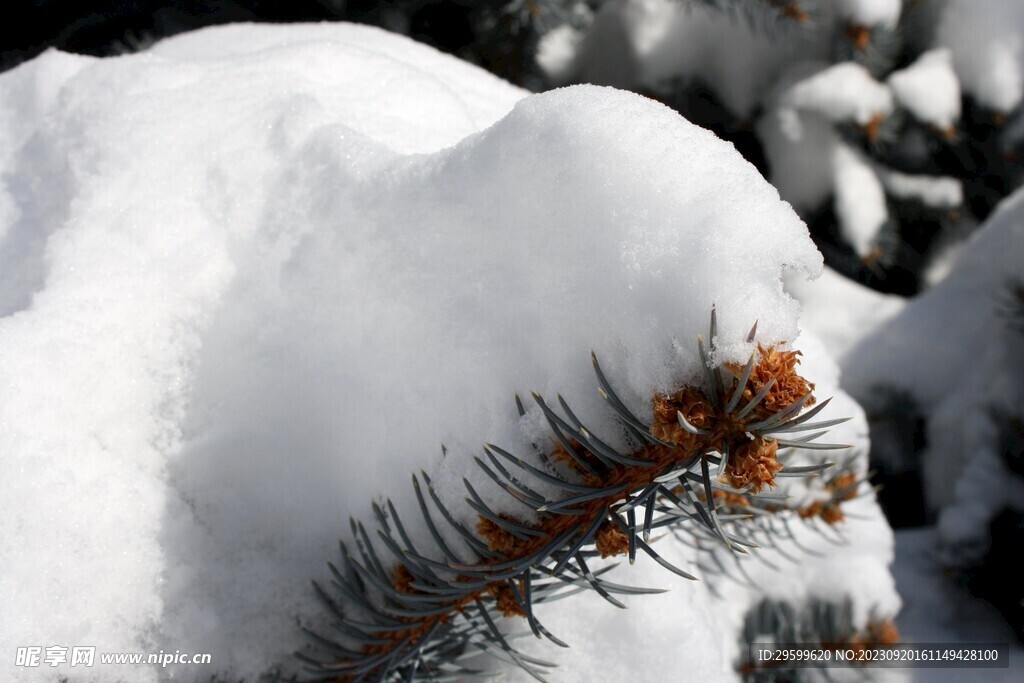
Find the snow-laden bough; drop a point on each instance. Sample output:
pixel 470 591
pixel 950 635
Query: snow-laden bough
pixel 419 610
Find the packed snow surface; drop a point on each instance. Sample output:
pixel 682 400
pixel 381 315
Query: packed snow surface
pixel 842 93
pixel 737 50
pixel 934 191
pixel 801 149
pixel 929 89
pixel 664 43
pixel 808 160
pixel 871 12
pixel 692 42
pixel 257 275
pixel 556 52
pixel 859 201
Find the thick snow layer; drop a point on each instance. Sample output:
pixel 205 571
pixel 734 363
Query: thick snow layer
pixel 940 192
pixel 808 161
pixel 859 200
pixel 691 41
pixel 801 149
pixel 653 44
pixel 602 54
pixel 648 641
pixel 963 375
pixel 402 96
pixel 987 40
pixel 137 192
pixel 884 13
pixel 267 272
pixel 28 209
pixel 929 89
pixel 843 93
pixel 556 52
pixel 920 350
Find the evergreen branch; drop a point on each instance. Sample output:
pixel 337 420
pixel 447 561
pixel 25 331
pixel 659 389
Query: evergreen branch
pixel 418 612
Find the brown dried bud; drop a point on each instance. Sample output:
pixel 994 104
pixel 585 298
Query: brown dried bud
pixel 505 600
pixel 788 386
pixel 498 539
pixel 610 540
pixel 859 35
pixel 844 486
pixel 754 464
pixel 401 579
pixel 832 513
pixel 884 633
pixel 691 403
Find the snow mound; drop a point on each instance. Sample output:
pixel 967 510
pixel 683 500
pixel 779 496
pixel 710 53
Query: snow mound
pixel 987 39
pixel 655 43
pixel 125 217
pixel 859 201
pixel 871 12
pixel 737 50
pixel 934 191
pixel 929 89
pixel 964 376
pixel 267 271
pixel 843 93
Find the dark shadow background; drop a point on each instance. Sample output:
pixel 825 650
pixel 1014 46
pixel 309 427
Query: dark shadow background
pixel 110 27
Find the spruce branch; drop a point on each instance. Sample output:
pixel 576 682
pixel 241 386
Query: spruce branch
pixel 421 610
